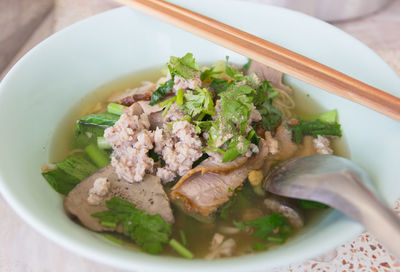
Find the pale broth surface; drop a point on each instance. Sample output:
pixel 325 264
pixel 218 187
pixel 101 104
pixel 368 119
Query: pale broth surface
pixel 198 235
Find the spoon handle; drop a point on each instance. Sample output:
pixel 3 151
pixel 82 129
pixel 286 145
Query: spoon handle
pixel 382 222
pixel 360 204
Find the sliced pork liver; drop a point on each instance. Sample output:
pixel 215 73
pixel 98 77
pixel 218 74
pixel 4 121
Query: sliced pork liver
pixel 147 195
pixel 204 193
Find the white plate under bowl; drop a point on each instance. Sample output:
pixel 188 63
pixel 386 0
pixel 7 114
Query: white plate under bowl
pixel 43 86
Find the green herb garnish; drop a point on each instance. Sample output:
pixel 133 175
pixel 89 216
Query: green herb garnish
pixel 78 166
pixel 220 85
pixel 272 228
pixel 60 181
pixel 161 91
pixel 97 155
pixel 208 74
pixel 183 237
pixel 149 232
pixel 181 249
pixel 329 117
pixel 69 173
pixel 259 246
pixel 186 66
pixel 271 116
pixel 198 103
pixel 115 108
pixel 314 128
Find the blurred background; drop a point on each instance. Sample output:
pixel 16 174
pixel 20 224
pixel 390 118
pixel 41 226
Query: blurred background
pixel 24 23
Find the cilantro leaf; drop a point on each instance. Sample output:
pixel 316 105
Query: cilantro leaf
pixel 209 73
pixel 198 102
pixel 220 132
pixel 233 73
pixel 220 85
pixel 236 148
pixel 202 126
pixel 314 128
pixel 264 91
pixel 186 66
pixel 236 105
pixel 161 91
pixel 78 166
pixel 149 232
pixel 231 123
pixel 271 116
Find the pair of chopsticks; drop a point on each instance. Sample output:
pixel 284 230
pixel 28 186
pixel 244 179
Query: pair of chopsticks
pixel 271 55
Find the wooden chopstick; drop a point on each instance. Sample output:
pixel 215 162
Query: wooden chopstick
pixel 271 55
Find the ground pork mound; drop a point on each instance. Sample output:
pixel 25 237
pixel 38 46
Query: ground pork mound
pixel 179 149
pixel 131 141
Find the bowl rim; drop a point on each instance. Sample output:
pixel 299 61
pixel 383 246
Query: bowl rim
pixel 236 263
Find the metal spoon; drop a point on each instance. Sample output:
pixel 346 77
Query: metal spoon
pixel 341 184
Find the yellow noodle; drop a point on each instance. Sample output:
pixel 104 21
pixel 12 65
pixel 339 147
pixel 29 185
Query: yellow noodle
pixel 284 103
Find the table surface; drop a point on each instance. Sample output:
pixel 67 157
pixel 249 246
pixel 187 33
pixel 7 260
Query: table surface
pixel 19 250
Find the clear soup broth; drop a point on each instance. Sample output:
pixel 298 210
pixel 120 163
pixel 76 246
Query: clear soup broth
pixel 246 204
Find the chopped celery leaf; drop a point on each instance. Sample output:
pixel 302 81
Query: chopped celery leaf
pixel 116 109
pixel 69 173
pixel 61 182
pixel 314 128
pixel 329 117
pixel 161 91
pixel 89 130
pixel 105 119
pixel 178 247
pixel 102 143
pixel 78 166
pixel 98 156
pixel 149 232
pixel 90 127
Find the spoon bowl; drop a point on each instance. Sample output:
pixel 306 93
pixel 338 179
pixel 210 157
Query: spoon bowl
pixel 341 184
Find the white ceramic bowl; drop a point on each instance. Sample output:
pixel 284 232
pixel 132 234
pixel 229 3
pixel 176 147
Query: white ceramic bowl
pixel 43 86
